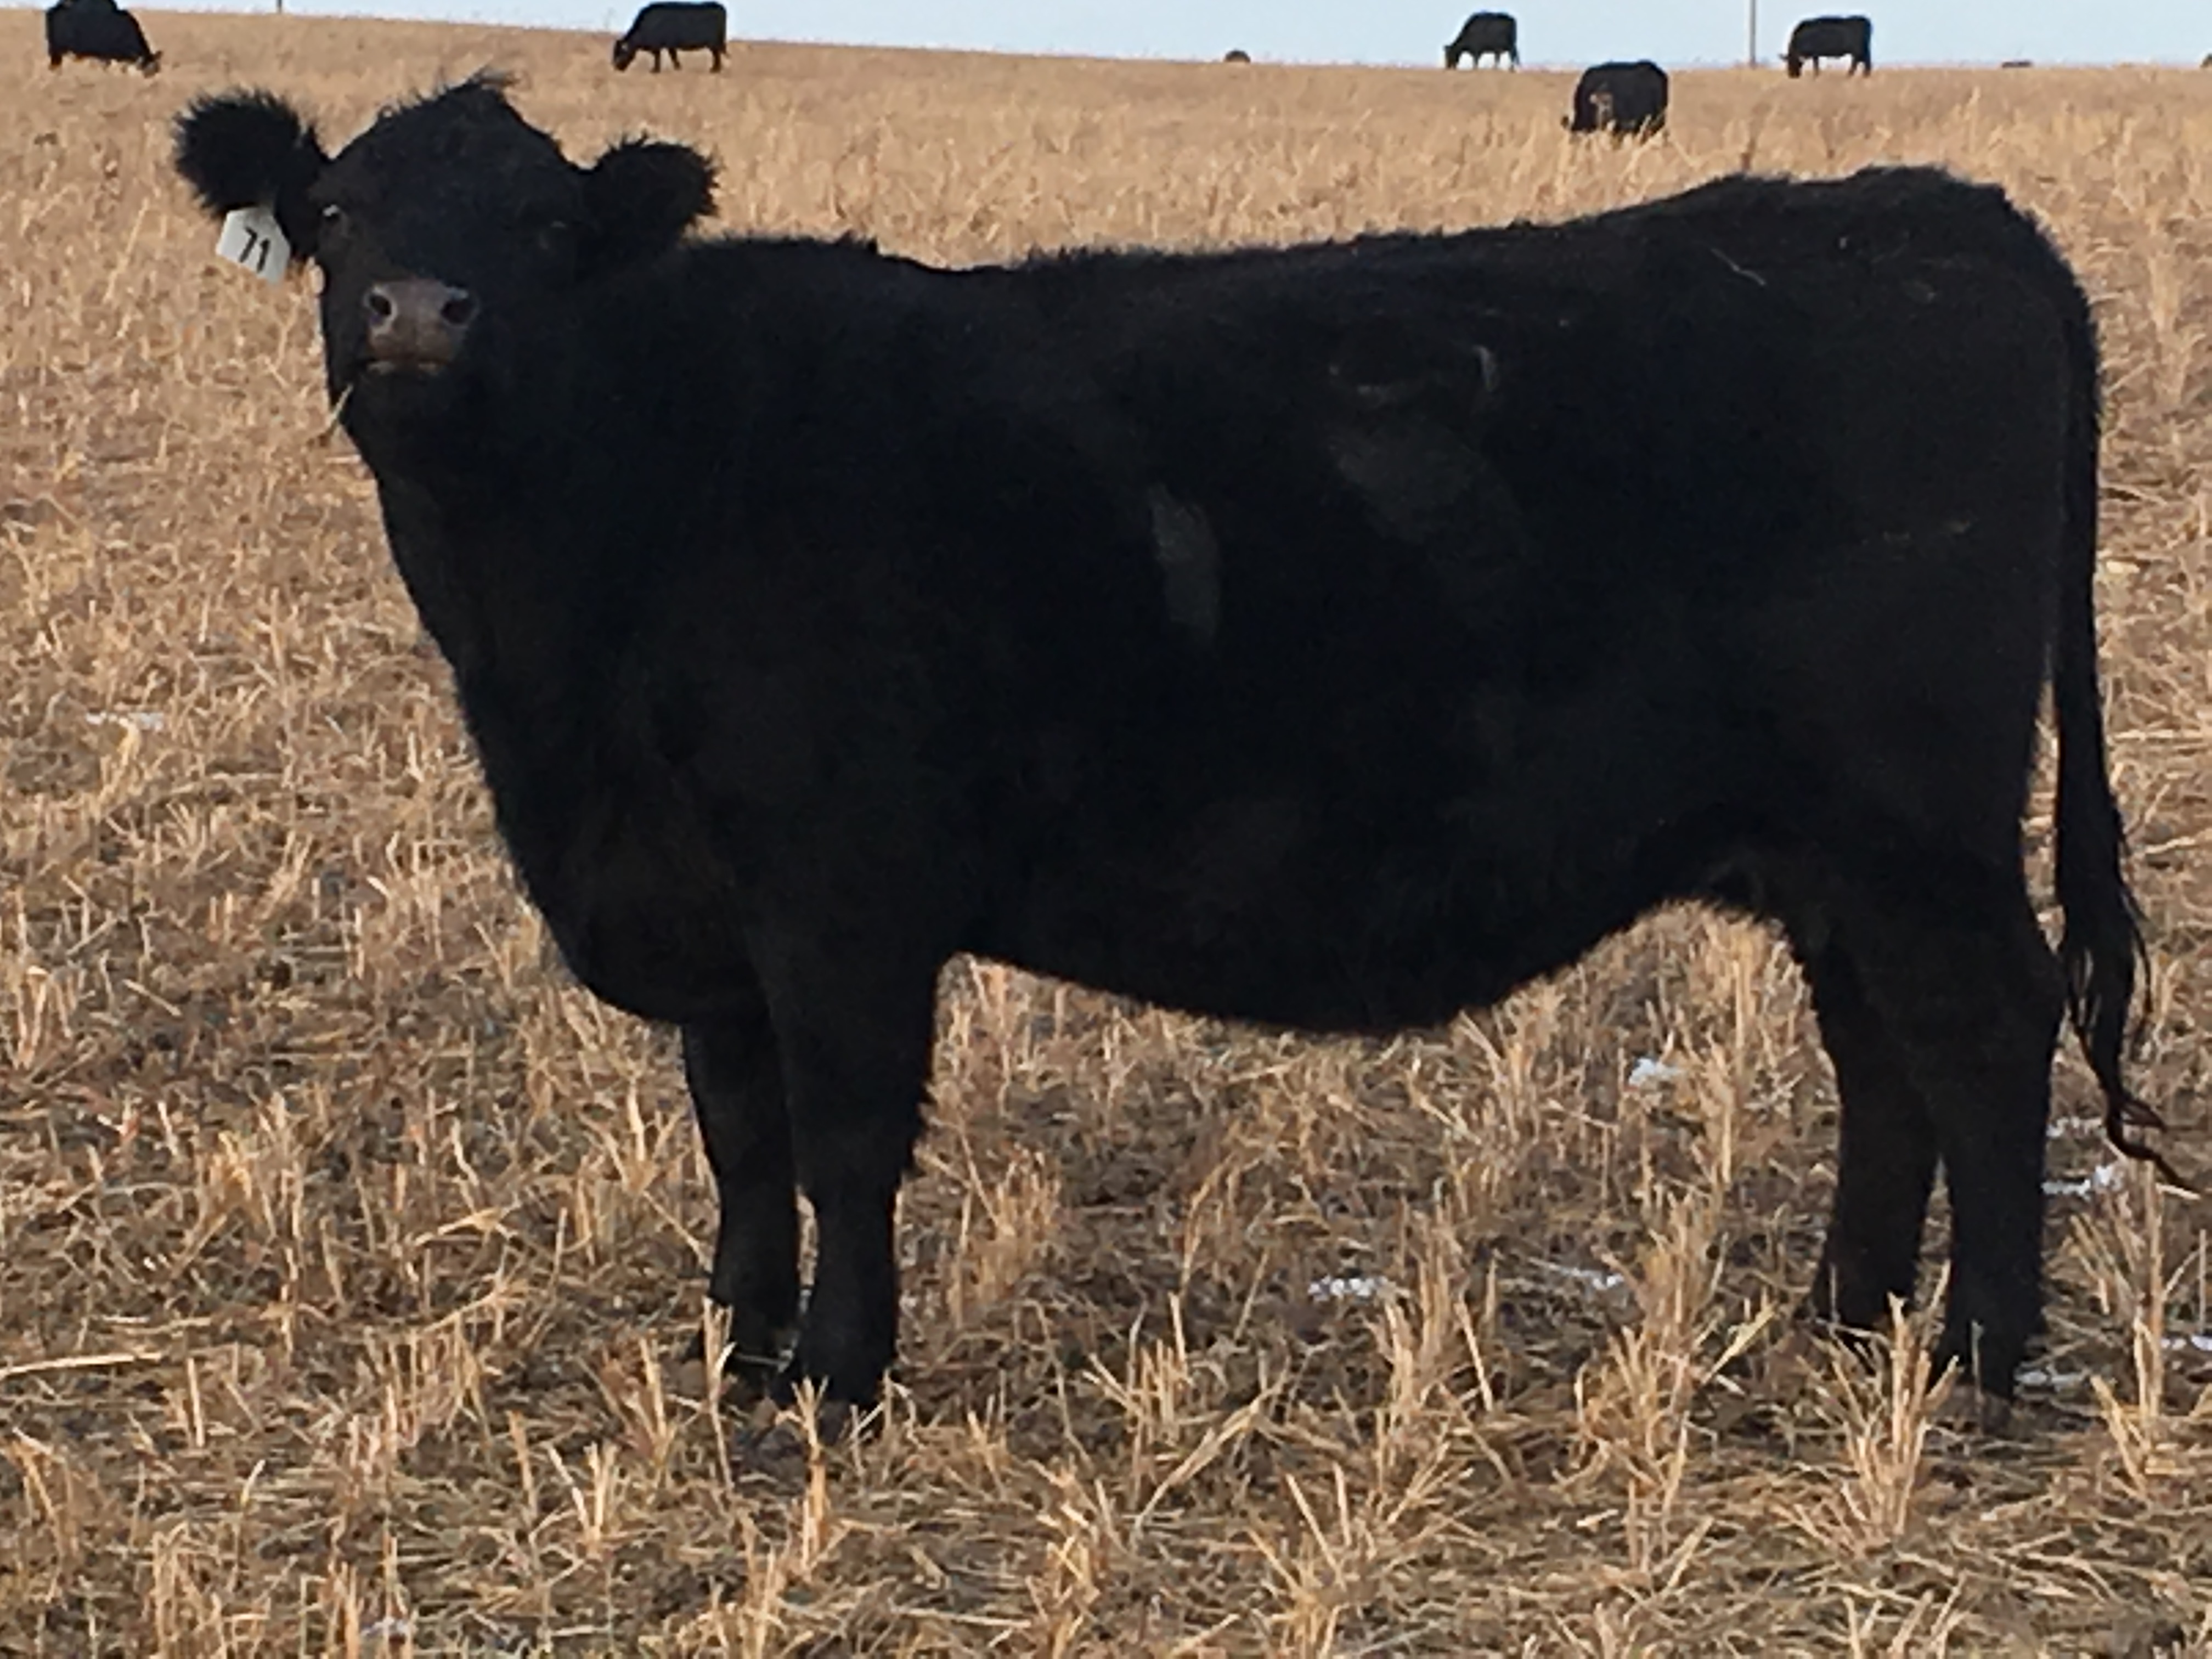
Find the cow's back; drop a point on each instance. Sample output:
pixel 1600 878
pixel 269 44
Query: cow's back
pixel 1832 37
pixel 1482 619
pixel 1623 98
pixel 685 24
pixel 97 30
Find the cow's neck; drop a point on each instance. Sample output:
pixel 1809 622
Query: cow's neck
pixel 487 538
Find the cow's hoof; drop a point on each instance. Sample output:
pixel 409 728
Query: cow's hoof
pixel 799 1379
pixel 753 1361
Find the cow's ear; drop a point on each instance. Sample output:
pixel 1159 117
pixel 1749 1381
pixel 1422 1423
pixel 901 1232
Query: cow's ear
pixel 643 195
pixel 248 149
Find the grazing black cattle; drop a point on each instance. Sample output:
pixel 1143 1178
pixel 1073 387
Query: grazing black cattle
pixel 676 26
pixel 1832 37
pixel 1628 100
pixel 1491 34
pixel 1336 636
pixel 2017 62
pixel 1236 55
pixel 98 30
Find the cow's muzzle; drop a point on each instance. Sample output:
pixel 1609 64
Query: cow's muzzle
pixel 415 323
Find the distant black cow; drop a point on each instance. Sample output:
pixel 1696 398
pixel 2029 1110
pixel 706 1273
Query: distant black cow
pixel 98 30
pixel 1335 637
pixel 2017 62
pixel 676 26
pixel 1491 34
pixel 1628 100
pixel 1832 37
pixel 1236 55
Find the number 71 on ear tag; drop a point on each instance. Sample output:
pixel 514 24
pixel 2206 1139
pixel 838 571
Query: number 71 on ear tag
pixel 252 239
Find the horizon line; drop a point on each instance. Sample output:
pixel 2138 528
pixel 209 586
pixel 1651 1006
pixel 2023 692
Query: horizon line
pixel 1260 60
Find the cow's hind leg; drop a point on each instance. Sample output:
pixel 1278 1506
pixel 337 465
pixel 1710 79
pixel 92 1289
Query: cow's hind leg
pixel 736 1089
pixel 1953 996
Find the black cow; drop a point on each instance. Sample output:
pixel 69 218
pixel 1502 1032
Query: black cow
pixel 1628 100
pixel 1337 636
pixel 1236 55
pixel 676 26
pixel 98 30
pixel 1491 34
pixel 1832 37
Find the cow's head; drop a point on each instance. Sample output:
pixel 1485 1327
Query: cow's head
pixel 625 53
pixel 446 226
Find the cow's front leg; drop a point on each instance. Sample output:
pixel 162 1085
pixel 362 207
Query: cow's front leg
pixel 736 1075
pixel 853 1027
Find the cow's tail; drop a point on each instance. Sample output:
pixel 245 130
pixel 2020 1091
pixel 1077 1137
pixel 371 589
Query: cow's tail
pixel 2102 946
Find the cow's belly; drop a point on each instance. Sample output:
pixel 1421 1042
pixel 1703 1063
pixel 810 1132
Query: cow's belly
pixel 1342 949
pixel 1312 905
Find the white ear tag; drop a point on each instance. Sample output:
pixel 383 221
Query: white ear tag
pixel 252 239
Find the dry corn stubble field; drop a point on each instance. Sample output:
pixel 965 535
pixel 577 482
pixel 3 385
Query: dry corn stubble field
pixel 349 1254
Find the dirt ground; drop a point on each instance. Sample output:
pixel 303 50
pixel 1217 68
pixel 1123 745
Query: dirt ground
pixel 349 1254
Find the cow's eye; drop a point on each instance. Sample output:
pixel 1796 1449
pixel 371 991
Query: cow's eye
pixel 334 222
pixel 553 237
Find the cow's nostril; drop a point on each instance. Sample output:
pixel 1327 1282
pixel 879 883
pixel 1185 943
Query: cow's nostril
pixel 417 322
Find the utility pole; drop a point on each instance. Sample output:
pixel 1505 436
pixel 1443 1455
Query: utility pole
pixel 1751 43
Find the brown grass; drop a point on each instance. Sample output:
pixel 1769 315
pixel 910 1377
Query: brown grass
pixel 346 1249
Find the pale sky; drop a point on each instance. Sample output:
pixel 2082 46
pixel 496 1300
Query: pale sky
pixel 1552 32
